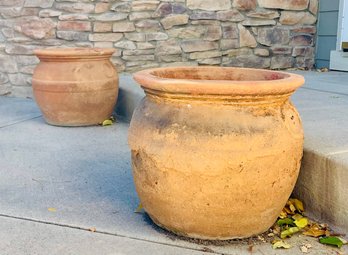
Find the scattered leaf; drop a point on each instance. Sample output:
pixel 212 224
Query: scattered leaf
pixel 139 208
pixel 298 204
pixel 92 229
pixel 283 214
pixel 261 239
pixel 292 208
pixel 322 70
pixel 327 232
pixel 280 244
pixel 107 123
pixel 286 221
pixel 289 232
pixel 314 230
pixel 344 241
pixel 276 230
pixel 301 223
pixel 297 216
pixel 51 209
pixel 288 211
pixel 331 240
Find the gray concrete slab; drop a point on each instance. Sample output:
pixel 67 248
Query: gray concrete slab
pixel 334 82
pixel 85 175
pixel 25 237
pixel 14 110
pixel 20 237
pixel 324 117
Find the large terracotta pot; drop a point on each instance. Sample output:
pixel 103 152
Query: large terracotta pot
pixel 215 151
pixel 75 86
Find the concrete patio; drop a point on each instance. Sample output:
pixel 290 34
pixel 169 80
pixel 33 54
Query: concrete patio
pixel 59 183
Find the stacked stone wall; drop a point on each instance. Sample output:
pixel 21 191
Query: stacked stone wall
pixel 276 34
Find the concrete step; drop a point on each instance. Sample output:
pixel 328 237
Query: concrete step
pixel 323 106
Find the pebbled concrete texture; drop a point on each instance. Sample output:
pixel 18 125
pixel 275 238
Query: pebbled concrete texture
pixel 85 175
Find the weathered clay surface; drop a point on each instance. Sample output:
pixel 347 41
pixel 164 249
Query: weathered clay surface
pixel 210 145
pixel 75 87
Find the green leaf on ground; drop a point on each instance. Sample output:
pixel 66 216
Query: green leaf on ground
pixel 281 244
pixel 289 232
pixel 286 221
pixel 107 123
pixel 331 240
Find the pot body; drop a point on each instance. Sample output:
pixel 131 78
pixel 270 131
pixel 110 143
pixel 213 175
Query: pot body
pixel 75 87
pixel 215 167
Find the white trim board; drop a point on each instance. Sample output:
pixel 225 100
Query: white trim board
pixel 339 60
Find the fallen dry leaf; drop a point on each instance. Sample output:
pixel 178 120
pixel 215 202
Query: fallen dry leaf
pixel 283 214
pixel 107 123
pixel 322 70
pixel 92 229
pixel 297 216
pixel 51 209
pixel 139 208
pixel 314 230
pixel 298 204
pixel 280 244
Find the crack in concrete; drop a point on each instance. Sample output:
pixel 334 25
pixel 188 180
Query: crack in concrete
pixel 326 91
pixel 105 233
pixel 19 121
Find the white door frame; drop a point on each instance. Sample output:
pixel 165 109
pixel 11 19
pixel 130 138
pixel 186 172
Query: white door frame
pixel 342 28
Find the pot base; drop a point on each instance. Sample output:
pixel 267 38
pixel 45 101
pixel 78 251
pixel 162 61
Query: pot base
pixel 201 237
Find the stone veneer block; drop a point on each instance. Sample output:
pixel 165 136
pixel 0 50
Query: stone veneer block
pixel 293 18
pixel 209 5
pixel 174 20
pixel 284 4
pixel 198 45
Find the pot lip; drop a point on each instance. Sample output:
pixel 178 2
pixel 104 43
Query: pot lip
pixel 73 52
pixel 288 82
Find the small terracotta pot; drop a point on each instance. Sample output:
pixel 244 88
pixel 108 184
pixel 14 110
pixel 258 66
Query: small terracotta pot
pixel 215 151
pixel 75 86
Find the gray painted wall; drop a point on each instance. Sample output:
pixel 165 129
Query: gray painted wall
pixel 327 31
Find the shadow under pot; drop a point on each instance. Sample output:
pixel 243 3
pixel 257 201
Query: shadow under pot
pixel 216 151
pixel 75 86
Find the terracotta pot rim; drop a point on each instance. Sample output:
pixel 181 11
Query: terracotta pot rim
pixel 274 82
pixel 74 52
